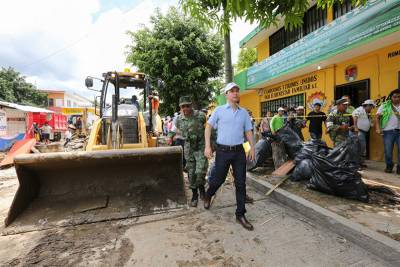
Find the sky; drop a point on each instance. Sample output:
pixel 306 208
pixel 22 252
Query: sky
pixel 56 44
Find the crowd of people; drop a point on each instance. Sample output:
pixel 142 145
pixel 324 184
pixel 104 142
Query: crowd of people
pixel 342 121
pixel 229 126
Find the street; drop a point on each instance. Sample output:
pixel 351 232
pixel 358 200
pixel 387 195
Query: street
pixel 194 237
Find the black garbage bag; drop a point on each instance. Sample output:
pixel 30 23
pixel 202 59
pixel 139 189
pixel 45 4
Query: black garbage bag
pixel 302 171
pixel 316 146
pixel 291 140
pixel 263 151
pixel 339 180
pixel 347 154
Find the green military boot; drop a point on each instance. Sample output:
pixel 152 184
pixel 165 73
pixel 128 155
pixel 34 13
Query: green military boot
pixel 202 192
pixel 195 198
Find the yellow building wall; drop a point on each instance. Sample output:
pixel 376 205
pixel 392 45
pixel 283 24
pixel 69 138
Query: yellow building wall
pixel 382 72
pixel 251 100
pixel 381 67
pixel 263 50
pixel 55 96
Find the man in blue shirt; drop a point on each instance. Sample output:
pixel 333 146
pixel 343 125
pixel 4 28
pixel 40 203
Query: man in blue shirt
pixel 231 122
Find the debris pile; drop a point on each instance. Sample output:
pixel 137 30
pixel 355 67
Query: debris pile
pixel 76 144
pixel 332 171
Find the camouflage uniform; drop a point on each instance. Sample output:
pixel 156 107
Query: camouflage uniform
pixel 192 130
pixel 334 121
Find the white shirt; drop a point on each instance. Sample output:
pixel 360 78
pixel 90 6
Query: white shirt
pixel 46 129
pixel 363 122
pixel 68 134
pixel 393 122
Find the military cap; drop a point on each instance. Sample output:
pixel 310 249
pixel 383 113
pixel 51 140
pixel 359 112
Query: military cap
pixel 185 100
pixel 342 101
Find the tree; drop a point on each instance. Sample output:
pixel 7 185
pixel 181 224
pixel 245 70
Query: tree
pixel 220 13
pixel 247 57
pixel 14 88
pixel 182 53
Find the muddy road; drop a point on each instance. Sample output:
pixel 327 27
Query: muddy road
pixel 193 237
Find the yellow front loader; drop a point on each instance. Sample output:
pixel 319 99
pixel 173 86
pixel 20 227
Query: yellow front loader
pixel 121 174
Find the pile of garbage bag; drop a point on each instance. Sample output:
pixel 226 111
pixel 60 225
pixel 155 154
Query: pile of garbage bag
pixel 263 151
pixel 332 171
pixel 290 139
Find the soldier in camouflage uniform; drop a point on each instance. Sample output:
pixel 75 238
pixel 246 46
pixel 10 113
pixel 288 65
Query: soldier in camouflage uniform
pixel 338 122
pixel 190 123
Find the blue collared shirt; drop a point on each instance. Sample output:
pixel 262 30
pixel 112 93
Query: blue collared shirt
pixel 231 125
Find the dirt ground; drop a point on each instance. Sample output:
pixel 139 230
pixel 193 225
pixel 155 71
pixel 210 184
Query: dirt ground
pixel 379 214
pixel 191 237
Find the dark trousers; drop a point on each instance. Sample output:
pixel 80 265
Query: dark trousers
pixel 223 160
pixel 181 142
pixel 315 135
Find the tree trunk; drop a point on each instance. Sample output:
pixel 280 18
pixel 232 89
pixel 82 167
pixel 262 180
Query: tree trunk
pixel 228 58
pixel 279 155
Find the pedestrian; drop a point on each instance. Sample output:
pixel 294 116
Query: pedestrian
pixel 316 118
pixel 265 129
pixel 170 123
pixel 297 122
pixel 68 136
pixel 350 108
pixel 191 125
pixel 177 139
pixel 388 125
pixel 362 124
pixel 36 132
pixel 338 122
pixel 78 124
pixel 135 102
pixel 231 122
pixel 277 121
pixel 46 131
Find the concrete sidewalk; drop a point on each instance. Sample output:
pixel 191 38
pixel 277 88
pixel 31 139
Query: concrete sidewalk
pixel 378 217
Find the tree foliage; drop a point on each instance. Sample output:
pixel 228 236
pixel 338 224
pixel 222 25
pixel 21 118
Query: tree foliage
pixel 182 53
pixel 14 88
pixel 247 57
pixel 214 12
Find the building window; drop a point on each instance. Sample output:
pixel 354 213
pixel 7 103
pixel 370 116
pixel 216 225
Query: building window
pixel 69 103
pixel 59 102
pixel 290 102
pixel 277 41
pixel 339 9
pixel 313 19
pixel 51 102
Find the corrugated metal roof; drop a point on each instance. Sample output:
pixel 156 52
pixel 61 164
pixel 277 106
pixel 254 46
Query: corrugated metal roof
pixel 24 108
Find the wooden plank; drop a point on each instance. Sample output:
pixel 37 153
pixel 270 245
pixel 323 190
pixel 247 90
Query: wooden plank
pixel 372 182
pixel 284 169
pixel 277 185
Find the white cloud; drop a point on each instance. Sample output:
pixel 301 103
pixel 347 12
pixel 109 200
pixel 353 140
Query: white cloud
pixel 239 30
pixel 57 43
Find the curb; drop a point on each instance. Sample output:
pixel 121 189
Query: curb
pixel 376 243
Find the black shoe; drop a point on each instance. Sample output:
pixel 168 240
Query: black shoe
pixel 249 200
pixel 244 222
pixel 202 192
pixel 389 169
pixel 207 202
pixel 195 198
pixel 363 165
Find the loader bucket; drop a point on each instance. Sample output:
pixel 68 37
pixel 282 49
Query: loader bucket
pixel 82 187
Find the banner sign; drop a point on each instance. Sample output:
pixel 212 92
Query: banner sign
pixel 361 25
